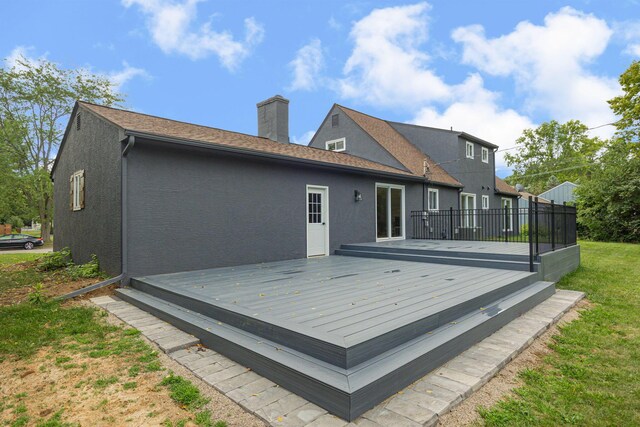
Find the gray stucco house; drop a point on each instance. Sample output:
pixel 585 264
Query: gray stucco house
pixel 150 195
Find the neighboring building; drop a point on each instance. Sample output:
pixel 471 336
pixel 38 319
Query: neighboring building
pixel 150 195
pixel 523 205
pixel 563 193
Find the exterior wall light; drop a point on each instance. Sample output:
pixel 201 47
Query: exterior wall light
pixel 357 196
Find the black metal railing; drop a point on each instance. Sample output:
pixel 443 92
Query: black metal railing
pixel 544 226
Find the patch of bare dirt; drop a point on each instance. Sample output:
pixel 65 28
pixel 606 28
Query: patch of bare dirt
pixel 52 287
pixel 221 407
pixel 101 392
pixel 507 379
pixel 89 391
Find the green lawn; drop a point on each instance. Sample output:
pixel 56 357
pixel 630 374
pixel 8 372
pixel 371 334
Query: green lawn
pixel 6 259
pixel 593 376
pixel 98 358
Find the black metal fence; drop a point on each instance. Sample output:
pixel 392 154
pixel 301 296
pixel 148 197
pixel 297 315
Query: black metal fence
pixel 545 226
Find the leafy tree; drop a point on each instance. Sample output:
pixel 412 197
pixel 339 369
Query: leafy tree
pixel 609 203
pixel 553 181
pixel 627 105
pixel 36 99
pixel 563 150
pixel 13 203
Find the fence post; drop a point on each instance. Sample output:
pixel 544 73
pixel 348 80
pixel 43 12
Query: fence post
pixel 564 220
pixel 451 223
pixel 506 221
pixel 553 226
pixel 537 233
pixel 530 229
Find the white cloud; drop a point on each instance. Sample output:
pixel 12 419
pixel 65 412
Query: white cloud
pixel 119 78
pixel 170 25
pixel 306 66
pixel 334 24
pixel 304 139
pixel 549 63
pixel 476 111
pixel 629 33
pixel 387 66
pixel 21 54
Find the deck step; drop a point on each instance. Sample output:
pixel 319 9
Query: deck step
pixel 489 254
pixel 438 259
pixel 430 313
pixel 346 392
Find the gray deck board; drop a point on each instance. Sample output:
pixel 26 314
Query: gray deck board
pixel 510 248
pixel 413 292
pixel 335 297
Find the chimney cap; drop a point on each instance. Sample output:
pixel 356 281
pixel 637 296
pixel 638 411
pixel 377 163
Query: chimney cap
pixel 275 98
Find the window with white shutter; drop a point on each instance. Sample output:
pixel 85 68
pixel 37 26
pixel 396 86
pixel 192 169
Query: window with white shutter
pixel 76 191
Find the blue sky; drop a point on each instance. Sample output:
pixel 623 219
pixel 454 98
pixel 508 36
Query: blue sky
pixel 490 68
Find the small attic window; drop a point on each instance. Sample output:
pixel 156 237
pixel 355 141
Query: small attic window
pixel 78 122
pixel 336 145
pixel 335 121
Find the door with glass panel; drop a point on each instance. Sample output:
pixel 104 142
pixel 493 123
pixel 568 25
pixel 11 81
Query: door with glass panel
pixel 317 221
pixel 389 212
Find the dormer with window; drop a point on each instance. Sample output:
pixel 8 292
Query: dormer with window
pixel 336 145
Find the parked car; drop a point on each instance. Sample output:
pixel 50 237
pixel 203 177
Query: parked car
pixel 19 241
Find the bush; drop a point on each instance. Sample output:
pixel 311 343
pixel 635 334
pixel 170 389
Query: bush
pixel 55 260
pixel 85 271
pixel 16 222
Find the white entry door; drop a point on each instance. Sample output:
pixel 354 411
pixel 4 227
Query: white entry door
pixel 317 221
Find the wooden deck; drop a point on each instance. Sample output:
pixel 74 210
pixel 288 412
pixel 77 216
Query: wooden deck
pixel 348 309
pixel 346 332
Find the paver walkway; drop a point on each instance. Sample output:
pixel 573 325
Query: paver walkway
pixel 420 404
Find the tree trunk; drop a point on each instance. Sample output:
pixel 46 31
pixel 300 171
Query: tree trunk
pixel 45 229
pixel 45 219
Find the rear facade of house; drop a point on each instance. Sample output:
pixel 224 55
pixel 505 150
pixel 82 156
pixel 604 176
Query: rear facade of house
pixel 192 197
pixel 149 195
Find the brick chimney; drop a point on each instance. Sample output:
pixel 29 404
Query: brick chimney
pixel 273 119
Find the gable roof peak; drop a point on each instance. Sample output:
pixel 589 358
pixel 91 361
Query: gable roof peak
pixel 410 156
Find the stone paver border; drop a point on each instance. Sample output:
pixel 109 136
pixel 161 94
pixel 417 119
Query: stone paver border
pixel 420 404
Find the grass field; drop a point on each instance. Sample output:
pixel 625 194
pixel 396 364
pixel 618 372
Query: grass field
pixel 66 366
pixel 593 376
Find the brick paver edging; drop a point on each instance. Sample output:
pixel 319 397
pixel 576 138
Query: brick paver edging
pixel 420 404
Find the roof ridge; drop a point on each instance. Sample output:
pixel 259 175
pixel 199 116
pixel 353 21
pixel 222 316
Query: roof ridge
pixel 172 120
pixel 410 167
pixel 126 119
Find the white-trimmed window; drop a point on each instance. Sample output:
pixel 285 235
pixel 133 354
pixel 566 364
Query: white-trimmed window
pixel 336 145
pixel 507 204
pixel 76 191
pixel 468 206
pixel 433 200
pixel 485 155
pixel 485 202
pixel 469 150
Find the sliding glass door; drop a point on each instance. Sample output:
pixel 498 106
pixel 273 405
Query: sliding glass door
pixel 389 211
